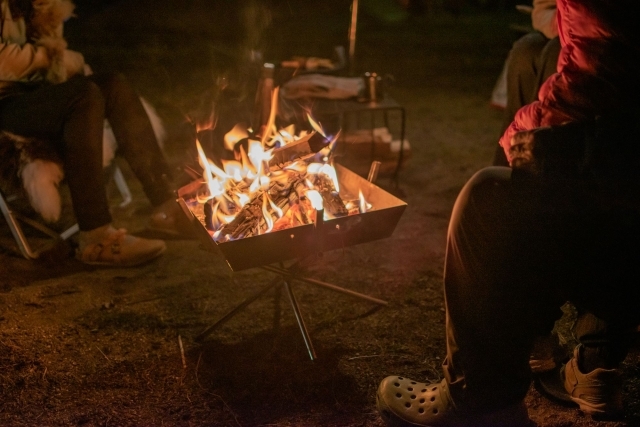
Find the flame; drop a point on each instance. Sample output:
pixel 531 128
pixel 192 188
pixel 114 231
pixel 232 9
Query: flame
pixel 330 171
pixel 272 115
pixel 243 199
pixel 316 199
pixel 275 207
pixel 266 214
pixel 296 166
pixel 238 132
pixel 327 169
pixel 315 125
pixel 215 189
pixel 364 206
pixel 206 123
pixel 248 179
pixel 259 157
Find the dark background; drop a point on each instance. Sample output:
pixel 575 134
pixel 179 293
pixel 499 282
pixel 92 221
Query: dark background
pixel 100 347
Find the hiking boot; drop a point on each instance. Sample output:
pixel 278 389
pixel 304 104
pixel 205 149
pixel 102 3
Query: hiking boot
pixel 404 403
pixel 597 393
pixel 109 247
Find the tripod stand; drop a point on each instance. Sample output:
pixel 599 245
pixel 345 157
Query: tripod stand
pixel 284 278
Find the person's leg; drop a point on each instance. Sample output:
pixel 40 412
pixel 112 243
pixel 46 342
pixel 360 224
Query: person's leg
pixel 500 295
pixel 607 297
pixel 136 140
pixel 71 116
pixel 500 288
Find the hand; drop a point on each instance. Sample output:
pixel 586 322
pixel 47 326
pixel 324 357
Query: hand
pixel 521 151
pixel 73 63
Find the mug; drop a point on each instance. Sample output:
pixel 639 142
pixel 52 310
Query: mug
pixel 373 86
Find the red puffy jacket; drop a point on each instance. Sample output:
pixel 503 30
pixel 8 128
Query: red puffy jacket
pixel 598 68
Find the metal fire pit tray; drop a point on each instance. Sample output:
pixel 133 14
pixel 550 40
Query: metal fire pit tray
pixel 304 240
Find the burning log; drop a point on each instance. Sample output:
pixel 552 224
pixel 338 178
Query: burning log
pixel 292 151
pixel 273 203
pixel 332 201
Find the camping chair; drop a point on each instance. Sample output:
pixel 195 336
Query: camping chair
pixel 15 219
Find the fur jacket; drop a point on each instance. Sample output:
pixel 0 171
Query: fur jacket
pixel 32 48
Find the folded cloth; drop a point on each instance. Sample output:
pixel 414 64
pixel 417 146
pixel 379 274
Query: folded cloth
pixel 322 86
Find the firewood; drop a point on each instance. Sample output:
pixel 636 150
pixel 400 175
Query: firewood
pixel 332 201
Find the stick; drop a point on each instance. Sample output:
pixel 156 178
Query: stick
pixel 105 356
pixel 184 360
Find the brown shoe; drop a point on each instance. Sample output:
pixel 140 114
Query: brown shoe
pixel 109 247
pixel 597 393
pixel 406 403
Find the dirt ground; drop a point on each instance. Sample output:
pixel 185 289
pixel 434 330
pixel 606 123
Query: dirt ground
pixel 103 347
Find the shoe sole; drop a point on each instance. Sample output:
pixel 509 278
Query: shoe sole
pixel 551 385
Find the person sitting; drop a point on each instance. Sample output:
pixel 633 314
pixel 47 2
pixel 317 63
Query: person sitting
pixel 48 92
pixel 532 59
pixel 562 224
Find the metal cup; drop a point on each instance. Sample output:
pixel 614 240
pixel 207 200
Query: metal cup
pixel 373 86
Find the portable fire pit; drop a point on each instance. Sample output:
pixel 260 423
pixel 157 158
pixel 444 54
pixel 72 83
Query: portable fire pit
pixel 270 250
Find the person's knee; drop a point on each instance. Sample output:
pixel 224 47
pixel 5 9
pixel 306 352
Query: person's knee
pixel 114 83
pixel 483 179
pixel 88 94
pixel 478 196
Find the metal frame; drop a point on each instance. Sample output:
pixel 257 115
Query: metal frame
pixel 13 221
pixel 285 276
pixel 390 214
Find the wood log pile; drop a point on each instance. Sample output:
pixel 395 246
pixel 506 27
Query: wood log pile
pixel 282 204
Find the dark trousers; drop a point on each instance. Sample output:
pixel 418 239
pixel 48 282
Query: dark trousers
pixel 71 115
pixel 532 59
pixel 516 252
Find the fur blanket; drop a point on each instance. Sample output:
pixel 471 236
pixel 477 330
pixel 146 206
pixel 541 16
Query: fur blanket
pixel 33 163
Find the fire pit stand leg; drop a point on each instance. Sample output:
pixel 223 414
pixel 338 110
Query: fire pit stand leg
pixel 285 276
pixel 286 273
pixel 303 327
pixel 246 302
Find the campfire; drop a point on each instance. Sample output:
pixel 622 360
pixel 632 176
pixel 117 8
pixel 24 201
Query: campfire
pixel 283 197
